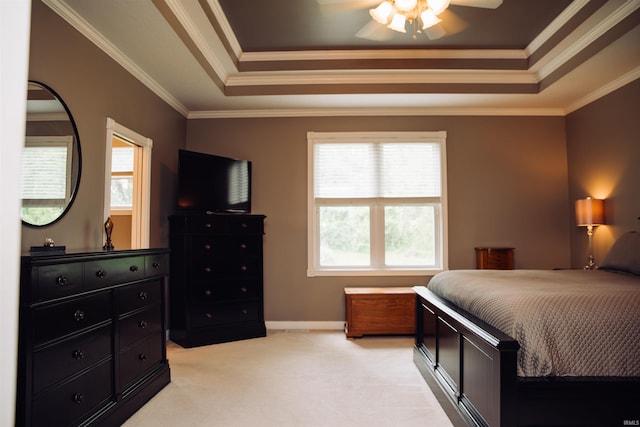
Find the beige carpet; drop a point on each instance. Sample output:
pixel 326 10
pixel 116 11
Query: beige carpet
pixel 292 378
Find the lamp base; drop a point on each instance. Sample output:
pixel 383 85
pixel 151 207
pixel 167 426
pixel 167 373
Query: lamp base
pixel 591 265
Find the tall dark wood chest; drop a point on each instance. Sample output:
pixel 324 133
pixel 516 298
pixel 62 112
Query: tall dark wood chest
pixel 216 286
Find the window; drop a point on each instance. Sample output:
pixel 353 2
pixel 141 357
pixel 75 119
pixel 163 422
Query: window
pixel 46 186
pixel 122 162
pixel 377 203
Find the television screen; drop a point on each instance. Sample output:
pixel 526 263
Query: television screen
pixel 213 183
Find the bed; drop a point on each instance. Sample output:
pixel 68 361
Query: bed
pixel 535 347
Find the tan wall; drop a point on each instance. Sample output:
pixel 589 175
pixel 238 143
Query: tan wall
pixel 603 145
pixel 507 182
pixel 94 87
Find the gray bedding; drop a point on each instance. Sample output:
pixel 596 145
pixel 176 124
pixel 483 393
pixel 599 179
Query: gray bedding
pixel 568 322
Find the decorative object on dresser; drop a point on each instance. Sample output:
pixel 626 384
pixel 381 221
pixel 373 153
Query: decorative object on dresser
pixel 494 258
pixel 216 278
pixel 92 344
pixel 380 311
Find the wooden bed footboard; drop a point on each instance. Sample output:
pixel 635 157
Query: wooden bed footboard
pixel 473 366
pixel 473 363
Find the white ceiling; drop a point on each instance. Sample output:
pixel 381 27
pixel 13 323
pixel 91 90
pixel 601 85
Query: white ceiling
pixel 187 53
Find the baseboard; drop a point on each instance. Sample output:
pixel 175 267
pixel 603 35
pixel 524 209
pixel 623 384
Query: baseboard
pixel 337 325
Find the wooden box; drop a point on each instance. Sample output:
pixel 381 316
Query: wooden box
pixel 380 311
pixel 494 258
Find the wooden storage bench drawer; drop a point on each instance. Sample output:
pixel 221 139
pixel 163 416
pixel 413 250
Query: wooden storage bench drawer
pixel 380 311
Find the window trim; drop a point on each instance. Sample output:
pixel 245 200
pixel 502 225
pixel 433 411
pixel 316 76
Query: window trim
pixel 313 268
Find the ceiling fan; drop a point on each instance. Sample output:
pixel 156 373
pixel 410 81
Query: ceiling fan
pixel 430 17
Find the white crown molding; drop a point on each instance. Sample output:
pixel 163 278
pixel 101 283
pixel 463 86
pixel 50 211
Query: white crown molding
pixel 594 33
pixel 373 112
pixel 409 77
pixel 341 55
pixel 177 8
pixel 555 26
pixel 605 90
pixel 77 22
pixel 221 18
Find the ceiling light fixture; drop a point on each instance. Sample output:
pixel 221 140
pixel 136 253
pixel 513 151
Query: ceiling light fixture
pixel 422 14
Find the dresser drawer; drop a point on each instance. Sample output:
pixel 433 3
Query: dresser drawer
pixel 221 314
pixel 240 224
pixel 59 320
pixel 66 404
pixel 59 280
pixel 156 265
pixel 65 358
pixel 222 290
pixel 139 325
pixel 205 224
pixel 137 360
pixel 203 247
pixel 238 268
pixel 106 272
pixel 134 297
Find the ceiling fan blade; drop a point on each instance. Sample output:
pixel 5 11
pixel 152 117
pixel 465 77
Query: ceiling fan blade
pixel 329 7
pixel 487 4
pixel 435 32
pixel 375 31
pixel 452 23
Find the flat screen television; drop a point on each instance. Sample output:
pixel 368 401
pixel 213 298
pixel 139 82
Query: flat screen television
pixel 209 183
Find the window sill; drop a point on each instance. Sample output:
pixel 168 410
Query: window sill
pixel 373 272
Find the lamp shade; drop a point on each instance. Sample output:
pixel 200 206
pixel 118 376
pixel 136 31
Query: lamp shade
pixel 589 212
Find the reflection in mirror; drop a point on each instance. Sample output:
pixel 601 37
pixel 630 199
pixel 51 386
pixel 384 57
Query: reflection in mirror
pixel 51 160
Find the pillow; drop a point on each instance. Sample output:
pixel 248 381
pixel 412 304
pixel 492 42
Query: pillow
pixel 624 255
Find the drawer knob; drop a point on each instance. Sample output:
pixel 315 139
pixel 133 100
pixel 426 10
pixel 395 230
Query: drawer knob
pixel 143 324
pixel 100 274
pixel 78 315
pixel 243 290
pixel 77 397
pixel 207 247
pixel 243 246
pixel 156 265
pixel 244 225
pixel 143 295
pixel 78 354
pixel 62 280
pixel 245 311
pixel 209 315
pixel 207 269
pixel 207 225
pixel 208 292
pixel 133 268
pixel 142 357
pixel 243 268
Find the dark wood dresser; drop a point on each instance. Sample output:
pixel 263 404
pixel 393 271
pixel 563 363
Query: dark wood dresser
pixel 216 278
pixel 92 345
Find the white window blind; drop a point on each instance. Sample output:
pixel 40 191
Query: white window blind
pixel 46 163
pixel 377 203
pixel 372 170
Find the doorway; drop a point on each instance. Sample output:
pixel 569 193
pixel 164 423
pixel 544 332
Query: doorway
pixel 127 186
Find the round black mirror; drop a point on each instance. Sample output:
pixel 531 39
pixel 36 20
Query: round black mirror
pixel 51 159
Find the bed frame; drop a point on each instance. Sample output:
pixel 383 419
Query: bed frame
pixel 471 367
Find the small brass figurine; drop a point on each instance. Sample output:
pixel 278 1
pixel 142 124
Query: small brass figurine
pixel 108 228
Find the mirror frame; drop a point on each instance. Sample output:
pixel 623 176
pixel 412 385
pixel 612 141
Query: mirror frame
pixel 77 149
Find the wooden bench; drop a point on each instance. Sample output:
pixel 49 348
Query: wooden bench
pixel 380 311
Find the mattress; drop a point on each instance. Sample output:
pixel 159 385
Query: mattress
pixel 577 323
